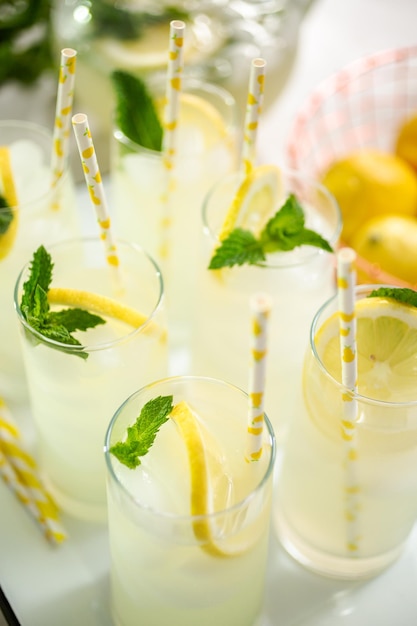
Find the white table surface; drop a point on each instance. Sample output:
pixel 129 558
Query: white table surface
pixel 69 585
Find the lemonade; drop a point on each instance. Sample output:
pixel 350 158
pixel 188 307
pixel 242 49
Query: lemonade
pixel 188 527
pixel 39 215
pixel 206 149
pixel 75 389
pixel 297 280
pixel 311 510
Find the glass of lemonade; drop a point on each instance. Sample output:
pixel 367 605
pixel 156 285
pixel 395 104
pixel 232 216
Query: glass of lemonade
pixel 188 527
pixel 39 213
pixel 350 517
pixel 296 280
pixel 75 389
pixel 206 150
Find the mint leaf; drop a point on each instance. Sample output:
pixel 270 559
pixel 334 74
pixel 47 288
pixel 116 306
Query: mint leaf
pixel 141 435
pixel 238 248
pixel 401 294
pixel 34 305
pixel 6 215
pixel 136 115
pixel 283 232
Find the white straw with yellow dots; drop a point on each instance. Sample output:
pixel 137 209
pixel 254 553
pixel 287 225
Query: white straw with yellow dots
pixel 18 469
pixel 170 123
pixel 95 184
pixel 253 110
pixel 346 281
pixel 63 113
pixel 260 305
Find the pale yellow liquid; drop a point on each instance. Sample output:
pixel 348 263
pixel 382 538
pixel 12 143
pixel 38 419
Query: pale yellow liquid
pixel 160 574
pixel 311 504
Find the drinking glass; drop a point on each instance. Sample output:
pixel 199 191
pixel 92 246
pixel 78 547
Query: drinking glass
pixel 169 566
pixel 297 282
pixel 315 520
pixel 43 215
pixel 72 399
pixel 145 211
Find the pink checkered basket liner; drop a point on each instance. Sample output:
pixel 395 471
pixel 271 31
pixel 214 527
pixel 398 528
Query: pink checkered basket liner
pixel 363 105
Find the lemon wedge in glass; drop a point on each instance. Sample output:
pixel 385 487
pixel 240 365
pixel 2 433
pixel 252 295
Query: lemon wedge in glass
pixel 255 201
pixel 8 190
pixel 386 348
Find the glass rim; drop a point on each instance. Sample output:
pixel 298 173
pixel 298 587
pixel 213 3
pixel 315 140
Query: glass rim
pixel 166 515
pixel 75 349
pixel 47 135
pixel 192 83
pixel 362 399
pixel 269 263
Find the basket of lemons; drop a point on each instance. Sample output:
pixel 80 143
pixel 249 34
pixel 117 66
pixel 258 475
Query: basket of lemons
pixel 357 133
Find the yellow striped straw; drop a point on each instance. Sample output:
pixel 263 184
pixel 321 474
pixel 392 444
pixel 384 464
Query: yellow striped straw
pixel 19 471
pixel 346 281
pixel 260 305
pixel 253 110
pixel 95 184
pixel 171 110
pixel 63 112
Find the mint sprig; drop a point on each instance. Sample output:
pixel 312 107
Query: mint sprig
pixel 6 215
pixel 34 305
pixel 283 232
pixel 136 114
pixel 141 435
pixel 401 294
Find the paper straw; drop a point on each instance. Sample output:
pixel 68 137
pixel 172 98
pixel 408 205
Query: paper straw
pixel 260 305
pixel 171 110
pixel 95 184
pixel 346 281
pixel 63 113
pixel 253 110
pixel 19 471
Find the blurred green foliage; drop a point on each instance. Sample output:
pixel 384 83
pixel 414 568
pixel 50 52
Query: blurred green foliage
pixel 25 40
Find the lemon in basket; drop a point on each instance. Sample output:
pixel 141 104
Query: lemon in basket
pixel 390 242
pixel 369 183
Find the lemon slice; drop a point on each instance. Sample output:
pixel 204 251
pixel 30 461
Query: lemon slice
pixel 210 488
pixel 386 349
pixel 255 202
pixel 200 124
pixel 102 305
pixel 9 193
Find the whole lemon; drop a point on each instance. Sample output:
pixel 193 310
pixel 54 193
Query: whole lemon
pixel 406 144
pixel 370 183
pixel 390 242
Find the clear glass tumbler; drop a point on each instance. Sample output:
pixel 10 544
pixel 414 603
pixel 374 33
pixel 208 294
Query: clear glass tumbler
pixel 75 389
pixel 346 503
pixel 163 214
pixel 170 566
pixel 297 281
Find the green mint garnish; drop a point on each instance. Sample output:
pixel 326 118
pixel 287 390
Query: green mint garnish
pixel 141 435
pixel 55 325
pixel 6 215
pixel 136 115
pixel 283 232
pixel 401 294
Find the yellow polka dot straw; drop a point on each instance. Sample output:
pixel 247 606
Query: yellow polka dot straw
pixel 95 184
pixel 18 469
pixel 346 281
pixel 260 305
pixel 253 110
pixel 63 113
pixel 175 68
